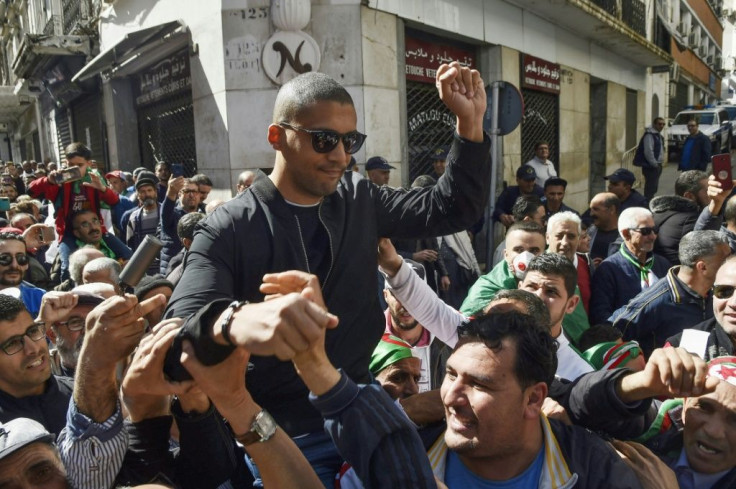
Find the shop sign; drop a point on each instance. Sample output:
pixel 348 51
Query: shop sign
pixel 423 58
pixel 168 76
pixel 539 74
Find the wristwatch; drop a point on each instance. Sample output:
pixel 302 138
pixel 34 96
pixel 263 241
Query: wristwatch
pixel 262 429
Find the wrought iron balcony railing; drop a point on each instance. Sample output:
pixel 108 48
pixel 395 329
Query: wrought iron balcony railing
pixel 630 12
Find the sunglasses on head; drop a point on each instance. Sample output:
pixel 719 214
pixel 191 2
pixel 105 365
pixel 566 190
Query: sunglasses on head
pixel 645 231
pixel 325 140
pixel 6 259
pixel 723 291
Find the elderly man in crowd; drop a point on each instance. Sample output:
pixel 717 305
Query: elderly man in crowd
pixel 681 299
pixel 620 277
pixel 563 236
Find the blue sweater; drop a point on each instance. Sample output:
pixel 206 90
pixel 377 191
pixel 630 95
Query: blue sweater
pixel 615 282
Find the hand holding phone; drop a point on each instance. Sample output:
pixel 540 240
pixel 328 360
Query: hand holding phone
pixel 4 204
pixel 722 170
pixel 69 174
pixel 177 169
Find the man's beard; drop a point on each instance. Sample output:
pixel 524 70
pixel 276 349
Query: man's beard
pixel 69 353
pixel 149 202
pixel 10 282
pixel 404 327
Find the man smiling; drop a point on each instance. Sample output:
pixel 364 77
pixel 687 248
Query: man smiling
pixel 306 216
pixel 27 388
pixel 497 379
pixel 13 265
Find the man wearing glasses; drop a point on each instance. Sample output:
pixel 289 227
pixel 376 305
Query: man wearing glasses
pixel 182 197
pixel 64 314
pixel 697 149
pixel 27 388
pixel 621 276
pixel 716 336
pixel 682 299
pixel 87 231
pixel 306 216
pixel 13 265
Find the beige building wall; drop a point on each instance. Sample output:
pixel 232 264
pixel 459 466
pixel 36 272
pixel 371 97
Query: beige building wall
pixel 382 114
pixel 615 126
pixel 575 136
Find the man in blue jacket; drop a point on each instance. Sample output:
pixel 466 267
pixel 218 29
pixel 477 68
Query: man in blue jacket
pixel 621 276
pixel 682 299
pixel 697 149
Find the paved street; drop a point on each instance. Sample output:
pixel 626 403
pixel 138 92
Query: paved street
pixel 670 173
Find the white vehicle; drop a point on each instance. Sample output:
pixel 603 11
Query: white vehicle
pixel 714 123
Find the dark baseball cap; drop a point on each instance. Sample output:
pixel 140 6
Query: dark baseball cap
pixel 440 153
pixel 378 163
pixel 19 433
pixel 621 175
pixel 526 172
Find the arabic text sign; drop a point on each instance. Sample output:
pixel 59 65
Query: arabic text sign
pixel 539 74
pixel 168 76
pixel 423 58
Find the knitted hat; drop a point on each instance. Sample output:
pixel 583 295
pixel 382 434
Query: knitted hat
pixel 389 351
pixel 148 283
pixel 612 354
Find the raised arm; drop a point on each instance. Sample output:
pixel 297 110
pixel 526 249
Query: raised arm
pixel 417 297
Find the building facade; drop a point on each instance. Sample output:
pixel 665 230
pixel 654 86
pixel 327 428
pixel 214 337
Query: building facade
pixel 194 82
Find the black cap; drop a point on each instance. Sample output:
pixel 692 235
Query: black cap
pixel 440 153
pixel 144 181
pixel 148 283
pixel 378 163
pixel 621 175
pixel 526 172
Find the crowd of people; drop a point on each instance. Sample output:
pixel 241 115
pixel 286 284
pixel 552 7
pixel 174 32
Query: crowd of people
pixel 323 329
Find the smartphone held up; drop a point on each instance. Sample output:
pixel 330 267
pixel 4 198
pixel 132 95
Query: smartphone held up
pixel 722 170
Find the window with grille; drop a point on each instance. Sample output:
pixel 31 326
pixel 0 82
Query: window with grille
pixel 540 122
pixel 166 133
pixel 431 125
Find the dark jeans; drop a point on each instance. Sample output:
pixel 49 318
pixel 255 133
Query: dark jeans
pixel 651 180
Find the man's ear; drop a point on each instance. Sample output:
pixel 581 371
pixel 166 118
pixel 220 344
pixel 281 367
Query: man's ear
pixel 572 303
pixel 533 400
pixel 51 334
pixel 689 196
pixel 275 135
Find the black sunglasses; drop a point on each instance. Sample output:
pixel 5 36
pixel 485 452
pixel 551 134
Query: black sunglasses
pixel 325 140
pixel 6 259
pixel 723 291
pixel 646 231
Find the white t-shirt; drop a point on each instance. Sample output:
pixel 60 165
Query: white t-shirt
pixel 570 365
pixel 544 169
